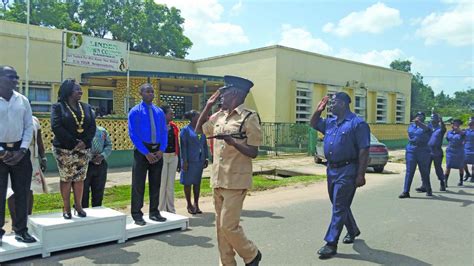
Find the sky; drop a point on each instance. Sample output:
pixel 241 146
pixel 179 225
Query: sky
pixel 437 36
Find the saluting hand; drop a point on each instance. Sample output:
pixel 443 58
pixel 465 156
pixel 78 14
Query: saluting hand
pixel 322 104
pixel 214 97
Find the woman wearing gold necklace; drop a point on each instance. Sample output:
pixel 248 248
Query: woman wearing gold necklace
pixel 73 125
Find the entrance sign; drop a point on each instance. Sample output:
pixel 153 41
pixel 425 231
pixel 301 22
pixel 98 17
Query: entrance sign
pixel 91 52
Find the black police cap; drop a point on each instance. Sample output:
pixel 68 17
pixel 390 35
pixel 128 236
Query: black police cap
pixel 343 97
pixel 237 82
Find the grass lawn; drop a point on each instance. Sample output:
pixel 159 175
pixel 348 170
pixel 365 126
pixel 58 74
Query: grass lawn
pixel 118 197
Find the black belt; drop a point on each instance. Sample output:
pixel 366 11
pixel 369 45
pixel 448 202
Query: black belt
pixel 152 147
pixel 11 146
pixel 416 144
pixel 341 163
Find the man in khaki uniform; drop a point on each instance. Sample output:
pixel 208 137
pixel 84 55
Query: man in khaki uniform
pixel 237 135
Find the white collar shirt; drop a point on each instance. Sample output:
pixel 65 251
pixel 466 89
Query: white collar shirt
pixel 16 120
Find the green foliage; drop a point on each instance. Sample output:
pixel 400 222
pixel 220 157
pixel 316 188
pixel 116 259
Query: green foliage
pixel 147 26
pixel 423 98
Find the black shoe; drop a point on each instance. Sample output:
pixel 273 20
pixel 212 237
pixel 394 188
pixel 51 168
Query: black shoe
pixel 420 189
pixel 466 178
pixel 24 237
pixel 429 193
pixel 140 222
pixel 348 239
pixel 442 186
pixel 157 218
pixel 404 195
pixel 327 251
pixel 67 215
pixel 256 260
pixel 80 213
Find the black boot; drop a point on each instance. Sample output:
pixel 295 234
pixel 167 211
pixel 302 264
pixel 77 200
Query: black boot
pixel 460 180
pixel 442 185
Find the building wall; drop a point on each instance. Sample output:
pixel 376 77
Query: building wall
pixel 275 71
pixel 257 66
pixel 45 55
pixel 323 71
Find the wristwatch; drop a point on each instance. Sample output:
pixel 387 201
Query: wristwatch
pixel 24 150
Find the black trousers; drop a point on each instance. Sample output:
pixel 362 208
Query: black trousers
pixel 95 183
pixel 20 176
pixel 140 168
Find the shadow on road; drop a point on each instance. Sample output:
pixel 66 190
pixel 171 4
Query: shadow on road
pixel 260 214
pixel 460 192
pixel 181 239
pixel 464 203
pixel 206 219
pixel 378 256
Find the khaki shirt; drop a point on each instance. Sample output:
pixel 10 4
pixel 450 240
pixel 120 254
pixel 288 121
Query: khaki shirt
pixel 231 169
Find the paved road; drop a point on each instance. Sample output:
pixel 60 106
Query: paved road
pixel 288 225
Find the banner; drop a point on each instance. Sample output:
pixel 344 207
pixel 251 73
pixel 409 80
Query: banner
pixel 86 51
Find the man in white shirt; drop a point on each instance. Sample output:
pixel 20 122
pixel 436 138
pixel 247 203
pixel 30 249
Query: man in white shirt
pixel 16 133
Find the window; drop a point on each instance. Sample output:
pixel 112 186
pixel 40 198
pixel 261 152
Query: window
pixel 381 116
pixel 40 97
pixel 400 111
pixel 360 105
pixel 180 104
pixel 102 101
pixel 303 102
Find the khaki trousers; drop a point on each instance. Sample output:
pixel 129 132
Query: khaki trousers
pixel 168 175
pixel 230 235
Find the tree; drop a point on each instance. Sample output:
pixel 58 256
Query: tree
pixel 147 26
pixel 422 95
pixel 404 66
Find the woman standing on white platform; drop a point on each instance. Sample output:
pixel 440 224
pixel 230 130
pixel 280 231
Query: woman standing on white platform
pixel 171 163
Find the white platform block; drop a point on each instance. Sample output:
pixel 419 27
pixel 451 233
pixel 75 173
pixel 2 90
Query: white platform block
pixel 12 249
pixel 173 221
pixel 56 233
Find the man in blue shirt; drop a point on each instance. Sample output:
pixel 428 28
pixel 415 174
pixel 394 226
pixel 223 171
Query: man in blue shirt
pixel 346 147
pixel 148 132
pixel 435 143
pixel 417 153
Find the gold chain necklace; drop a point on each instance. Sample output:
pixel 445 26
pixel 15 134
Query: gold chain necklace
pixel 80 128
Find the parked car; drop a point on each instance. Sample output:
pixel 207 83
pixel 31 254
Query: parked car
pixel 378 154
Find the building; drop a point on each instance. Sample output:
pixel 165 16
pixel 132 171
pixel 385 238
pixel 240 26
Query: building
pixel 288 82
pixel 288 85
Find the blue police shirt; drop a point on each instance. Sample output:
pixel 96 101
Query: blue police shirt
pixel 343 141
pixel 139 127
pixel 455 141
pixel 418 138
pixel 469 145
pixel 436 140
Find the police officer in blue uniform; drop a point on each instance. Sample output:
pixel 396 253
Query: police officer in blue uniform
pixel 417 153
pixel 435 143
pixel 346 147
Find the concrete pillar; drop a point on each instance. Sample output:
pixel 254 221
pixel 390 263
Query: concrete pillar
pixel 371 106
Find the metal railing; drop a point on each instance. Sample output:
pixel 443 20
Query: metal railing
pixel 288 138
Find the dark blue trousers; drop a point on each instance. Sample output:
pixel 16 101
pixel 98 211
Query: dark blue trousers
pixel 422 158
pixel 437 160
pixel 341 191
